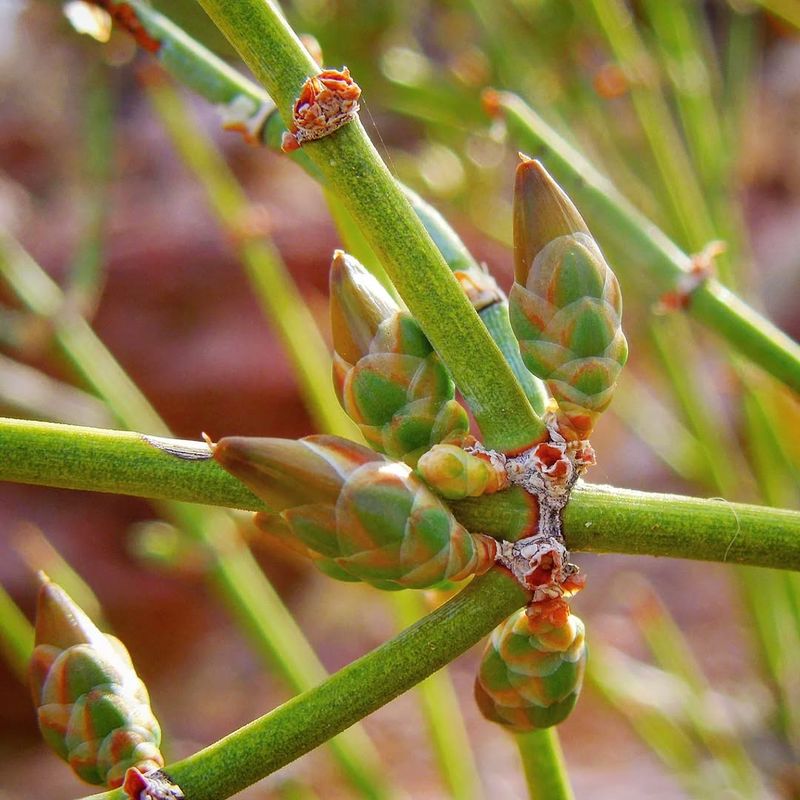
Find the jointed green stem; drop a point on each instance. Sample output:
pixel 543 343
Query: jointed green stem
pixel 598 519
pixel 235 572
pixel 306 721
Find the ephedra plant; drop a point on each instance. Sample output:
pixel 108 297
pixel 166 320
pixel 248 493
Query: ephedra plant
pixel 428 501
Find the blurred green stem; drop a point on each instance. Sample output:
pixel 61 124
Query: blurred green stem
pixel 442 713
pixel 281 302
pixel 16 636
pixel 86 271
pixel 542 759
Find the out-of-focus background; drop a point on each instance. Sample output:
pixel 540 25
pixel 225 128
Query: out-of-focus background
pixel 92 188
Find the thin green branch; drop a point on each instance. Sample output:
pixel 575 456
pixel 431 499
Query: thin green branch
pixel 679 181
pixel 301 724
pixel 352 169
pixel 16 636
pixel 599 519
pixel 621 225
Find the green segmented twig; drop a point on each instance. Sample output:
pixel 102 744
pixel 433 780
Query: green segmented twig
pixel 379 203
pixel 495 316
pixel 542 760
pixel 235 573
pixel 280 300
pixel 622 226
pixel 598 519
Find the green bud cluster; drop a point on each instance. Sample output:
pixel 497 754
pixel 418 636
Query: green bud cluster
pixel 360 516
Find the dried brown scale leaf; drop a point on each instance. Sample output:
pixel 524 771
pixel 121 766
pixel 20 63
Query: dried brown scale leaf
pixel 327 101
pixel 125 16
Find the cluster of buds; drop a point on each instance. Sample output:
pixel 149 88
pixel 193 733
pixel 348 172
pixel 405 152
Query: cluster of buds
pixel 565 305
pixel 92 708
pixel 360 516
pixel 383 519
pixel 388 378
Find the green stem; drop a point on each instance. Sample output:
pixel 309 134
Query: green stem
pixel 543 761
pixel 622 226
pixel 276 739
pixel 86 271
pixel 280 300
pixel 352 169
pixel 598 519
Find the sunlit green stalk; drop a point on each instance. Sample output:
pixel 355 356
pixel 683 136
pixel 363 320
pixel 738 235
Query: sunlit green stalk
pixel 542 760
pixel 353 170
pixel 272 741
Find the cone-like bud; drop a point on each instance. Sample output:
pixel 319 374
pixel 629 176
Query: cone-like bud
pixel 93 709
pixel 360 515
pixel 387 376
pixel 565 306
pixel 455 474
pixel 531 672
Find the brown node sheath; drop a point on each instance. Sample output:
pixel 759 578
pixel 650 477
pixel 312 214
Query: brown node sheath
pixel 125 16
pixel 701 269
pixel 327 101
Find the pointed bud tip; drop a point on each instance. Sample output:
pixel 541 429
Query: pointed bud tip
pixel 59 620
pixel 542 212
pixel 358 306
